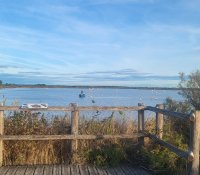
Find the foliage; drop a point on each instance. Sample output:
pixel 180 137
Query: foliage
pixel 106 156
pixel 190 88
pixel 163 161
pixel 175 124
pixel 55 152
pixel 176 132
pixel 159 159
pixel 35 152
pixel 177 106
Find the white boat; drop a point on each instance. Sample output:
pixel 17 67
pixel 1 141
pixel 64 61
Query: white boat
pixel 35 106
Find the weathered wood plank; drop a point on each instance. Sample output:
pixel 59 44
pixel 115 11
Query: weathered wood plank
pixel 110 171
pixel 1 133
pixel 92 170
pixel 194 147
pixel 12 170
pixel 83 170
pixel 169 113
pixel 110 108
pixel 21 170
pixel 48 170
pixel 30 170
pixel 141 124
pixel 39 170
pixel 101 171
pixel 54 170
pixel 57 170
pixel 50 108
pixel 79 108
pixel 70 170
pixel 159 122
pixel 74 130
pixel 138 171
pixel 71 137
pixel 3 170
pixel 66 170
pixel 127 171
pixel 74 170
pixel 119 171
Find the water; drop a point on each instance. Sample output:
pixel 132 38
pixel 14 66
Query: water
pixel 96 96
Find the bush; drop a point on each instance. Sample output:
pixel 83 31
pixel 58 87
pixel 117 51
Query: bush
pixel 159 159
pixel 174 124
pixel 190 88
pixel 106 156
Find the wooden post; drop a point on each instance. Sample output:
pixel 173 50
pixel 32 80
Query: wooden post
pixel 74 129
pixel 194 144
pixel 141 123
pixel 159 122
pixel 1 133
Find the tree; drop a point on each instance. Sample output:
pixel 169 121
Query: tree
pixel 190 88
pixel 1 82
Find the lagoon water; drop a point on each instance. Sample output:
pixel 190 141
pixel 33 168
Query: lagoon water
pixel 101 96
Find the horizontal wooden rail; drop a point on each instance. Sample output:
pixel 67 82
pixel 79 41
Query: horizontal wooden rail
pixel 51 108
pixel 70 137
pixel 111 108
pixel 168 113
pixel 184 154
pixel 70 108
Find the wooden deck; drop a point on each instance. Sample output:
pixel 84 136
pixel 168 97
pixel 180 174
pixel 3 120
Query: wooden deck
pixel 70 170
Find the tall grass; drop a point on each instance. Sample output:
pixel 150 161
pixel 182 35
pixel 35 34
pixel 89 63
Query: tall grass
pixel 56 152
pixel 99 152
pixel 35 152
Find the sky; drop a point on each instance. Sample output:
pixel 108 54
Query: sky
pixel 99 42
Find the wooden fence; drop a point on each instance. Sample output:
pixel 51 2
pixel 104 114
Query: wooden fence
pixel 192 155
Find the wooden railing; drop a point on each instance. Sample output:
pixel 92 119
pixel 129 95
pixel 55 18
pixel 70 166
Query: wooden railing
pixel 192 155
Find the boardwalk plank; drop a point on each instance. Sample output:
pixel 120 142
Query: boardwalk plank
pixel 92 170
pixel 71 170
pixel 59 169
pixel 12 170
pixel 21 170
pixel 65 170
pixel 141 171
pixel 137 170
pixel 4 169
pixel 30 170
pixel 83 170
pixel 54 169
pixel 74 170
pixel 119 171
pixel 39 170
pixel 48 170
pixel 101 171
pixel 127 171
pixel 111 171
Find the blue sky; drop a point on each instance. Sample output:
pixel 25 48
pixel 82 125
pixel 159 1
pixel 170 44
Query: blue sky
pixel 99 42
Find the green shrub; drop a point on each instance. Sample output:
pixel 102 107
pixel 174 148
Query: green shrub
pixel 106 156
pixel 160 159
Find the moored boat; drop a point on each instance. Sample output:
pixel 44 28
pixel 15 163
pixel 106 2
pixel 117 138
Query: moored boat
pixel 82 94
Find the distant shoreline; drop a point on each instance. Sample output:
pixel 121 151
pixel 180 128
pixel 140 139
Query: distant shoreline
pixel 86 87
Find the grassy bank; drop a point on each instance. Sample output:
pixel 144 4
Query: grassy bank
pixel 97 152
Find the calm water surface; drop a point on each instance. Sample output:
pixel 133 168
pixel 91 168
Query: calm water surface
pixel 96 96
